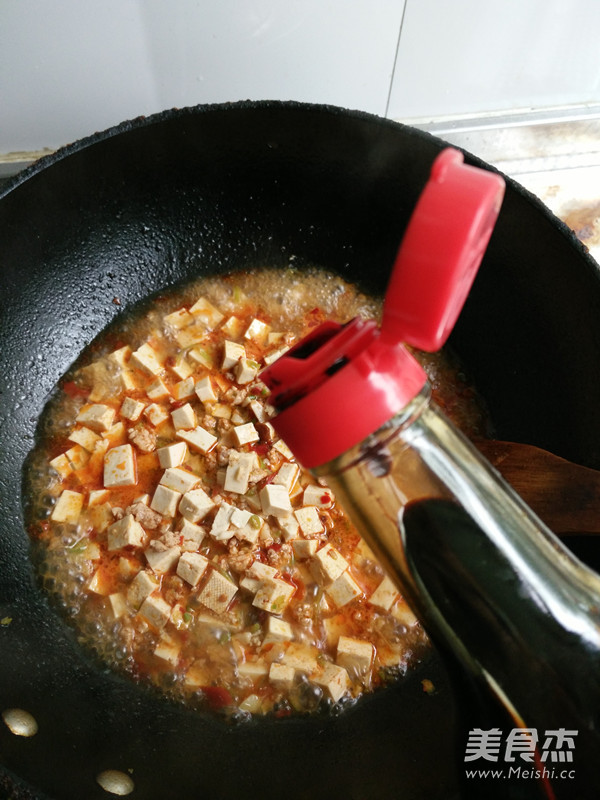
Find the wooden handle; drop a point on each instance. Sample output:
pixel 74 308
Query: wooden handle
pixel 564 495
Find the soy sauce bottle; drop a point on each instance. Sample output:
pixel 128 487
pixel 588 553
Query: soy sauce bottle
pixel 514 612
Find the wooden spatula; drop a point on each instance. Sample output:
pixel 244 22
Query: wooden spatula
pixel 564 495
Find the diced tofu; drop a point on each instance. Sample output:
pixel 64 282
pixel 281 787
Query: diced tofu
pixel 191 335
pixel 131 409
pixel 270 358
pixel 257 330
pixel 221 411
pixel 282 676
pixel 140 588
pixel 220 529
pixel 98 417
pixel 184 389
pixel 168 650
pixel 301 657
pixel 146 359
pixel 156 414
pixel 287 475
pixel 232 352
pixel 334 679
pixel 156 611
pixel 258 409
pixel 78 457
pixel 385 595
pixel 180 480
pixel 126 532
pixel 184 417
pixel 68 507
pixel 98 583
pixel 198 439
pixel 232 327
pixel 285 451
pixel 246 370
pixel 179 319
pixel 172 455
pixel 62 465
pixel 165 501
pixel 158 390
pixel 128 568
pixel 97 496
pixel 327 564
pixel 85 437
pixel 238 472
pixel 402 612
pixel 275 500
pixel 161 561
pixel 217 593
pixel 197 676
pixel 289 527
pixel 204 311
pixel 355 655
pixel 304 548
pixel 309 520
pixel 202 356
pixel 183 369
pixel 343 590
pixel 251 585
pixel 240 517
pixel 205 391
pixel 195 505
pixel 190 532
pixel 317 496
pixel 278 630
pixel 191 567
pixel 118 604
pixel 261 572
pixel 273 596
pixel 253 669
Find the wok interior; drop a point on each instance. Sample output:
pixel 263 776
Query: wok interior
pixel 100 226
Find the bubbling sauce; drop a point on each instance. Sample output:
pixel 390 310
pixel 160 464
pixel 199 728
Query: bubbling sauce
pixel 175 529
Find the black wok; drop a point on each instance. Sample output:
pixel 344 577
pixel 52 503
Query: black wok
pixel 89 231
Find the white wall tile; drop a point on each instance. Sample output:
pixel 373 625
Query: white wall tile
pixel 472 56
pixel 71 67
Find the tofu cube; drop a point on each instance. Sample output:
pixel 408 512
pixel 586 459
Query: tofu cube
pixel 126 532
pixel 97 496
pixel 273 596
pixel 278 630
pixel 77 456
pixel 301 657
pixel 309 520
pixel 317 496
pixel 257 330
pixel 156 414
pixel 220 529
pixel 334 679
pixel 204 311
pixel 218 592
pixel 172 455
pixel 161 561
pixel 282 676
pixel 271 357
pixel 184 389
pixel 68 507
pixel 205 391
pixel 158 390
pixel 343 590
pixel 246 370
pixel 62 465
pixel 253 669
pixel 282 448
pixel 179 319
pixel 304 548
pixel 168 650
pixel 202 356
pixel 85 437
pixel 140 588
pixel 289 527
pixel 120 467
pixel 118 604
pixel 146 359
pixel 355 655
pixel 221 411
pixel 195 505
pixel 275 500
pixel 191 567
pixel 287 475
pixel 98 417
pixel 232 352
pixel 327 564
pixel 190 532
pixel 131 409
pixel 258 409
pixel 261 572
pixel 232 327
pixel 385 595
pixel 198 439
pixel 184 417
pixel 156 611
pixel 238 472
pixel 165 501
pixel 180 480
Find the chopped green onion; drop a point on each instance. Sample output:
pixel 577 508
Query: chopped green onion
pixel 255 521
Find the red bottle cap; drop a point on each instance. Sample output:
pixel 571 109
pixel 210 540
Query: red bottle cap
pixel 342 382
